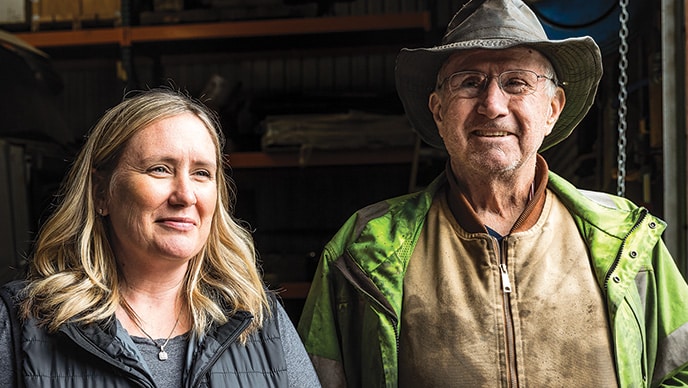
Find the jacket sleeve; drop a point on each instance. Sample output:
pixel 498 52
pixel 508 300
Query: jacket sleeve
pixel 7 345
pixel 299 368
pixel 318 329
pixel 671 311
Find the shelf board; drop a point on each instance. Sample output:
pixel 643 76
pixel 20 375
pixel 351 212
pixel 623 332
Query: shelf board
pixel 126 36
pixel 85 37
pixel 294 290
pixel 242 160
pixel 278 27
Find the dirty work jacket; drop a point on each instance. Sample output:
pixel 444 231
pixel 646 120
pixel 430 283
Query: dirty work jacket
pixel 101 355
pixel 350 323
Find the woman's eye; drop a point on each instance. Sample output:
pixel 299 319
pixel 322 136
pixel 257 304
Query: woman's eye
pixel 158 169
pixel 204 174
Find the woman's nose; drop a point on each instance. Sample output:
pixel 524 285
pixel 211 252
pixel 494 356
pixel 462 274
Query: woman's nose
pixel 183 192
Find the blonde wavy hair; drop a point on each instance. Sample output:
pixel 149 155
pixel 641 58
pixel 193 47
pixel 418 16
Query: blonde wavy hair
pixel 73 275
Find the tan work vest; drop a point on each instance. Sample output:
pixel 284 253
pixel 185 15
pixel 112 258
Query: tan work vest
pixel 460 329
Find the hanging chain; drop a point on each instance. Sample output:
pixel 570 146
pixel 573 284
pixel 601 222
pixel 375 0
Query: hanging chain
pixel 623 95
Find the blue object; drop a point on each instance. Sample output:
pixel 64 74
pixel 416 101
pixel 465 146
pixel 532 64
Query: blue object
pixel 597 18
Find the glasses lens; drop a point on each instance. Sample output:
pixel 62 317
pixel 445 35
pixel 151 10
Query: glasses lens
pixel 518 82
pixel 467 84
pixel 470 84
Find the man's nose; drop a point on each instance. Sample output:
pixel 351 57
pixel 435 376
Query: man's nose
pixel 493 100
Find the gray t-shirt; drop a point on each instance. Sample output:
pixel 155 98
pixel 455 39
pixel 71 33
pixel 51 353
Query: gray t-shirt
pixel 168 373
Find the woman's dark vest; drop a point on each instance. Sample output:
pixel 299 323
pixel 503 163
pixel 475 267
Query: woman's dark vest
pixel 91 356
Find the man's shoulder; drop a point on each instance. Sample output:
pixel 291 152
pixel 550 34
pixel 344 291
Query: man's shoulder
pixel 389 223
pixel 403 209
pixel 602 210
pixel 406 205
pixel 580 197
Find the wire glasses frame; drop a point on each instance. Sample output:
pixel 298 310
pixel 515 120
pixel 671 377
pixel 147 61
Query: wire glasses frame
pixel 471 84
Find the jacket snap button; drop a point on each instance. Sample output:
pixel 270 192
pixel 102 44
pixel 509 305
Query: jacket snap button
pixel 616 279
pixel 633 254
pixel 652 225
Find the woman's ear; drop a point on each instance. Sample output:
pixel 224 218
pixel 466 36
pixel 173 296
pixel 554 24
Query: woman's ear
pixel 99 192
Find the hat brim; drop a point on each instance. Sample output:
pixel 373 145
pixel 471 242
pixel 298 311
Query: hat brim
pixel 576 61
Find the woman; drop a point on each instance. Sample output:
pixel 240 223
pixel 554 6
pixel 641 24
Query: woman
pixel 142 277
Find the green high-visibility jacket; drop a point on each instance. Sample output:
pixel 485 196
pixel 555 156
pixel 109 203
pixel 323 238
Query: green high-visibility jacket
pixel 350 323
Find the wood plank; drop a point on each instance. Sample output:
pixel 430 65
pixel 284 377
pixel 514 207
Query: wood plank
pixel 319 158
pixel 85 37
pixel 294 290
pixel 277 27
pixel 223 30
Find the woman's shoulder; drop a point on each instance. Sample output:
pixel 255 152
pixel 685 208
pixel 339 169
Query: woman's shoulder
pixel 10 292
pixel 275 309
pixel 9 324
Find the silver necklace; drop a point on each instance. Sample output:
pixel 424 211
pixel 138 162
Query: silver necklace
pixel 162 356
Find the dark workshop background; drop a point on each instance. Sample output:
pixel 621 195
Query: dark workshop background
pixel 305 91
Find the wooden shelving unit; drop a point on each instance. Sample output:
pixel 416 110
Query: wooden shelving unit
pixel 126 36
pixel 258 173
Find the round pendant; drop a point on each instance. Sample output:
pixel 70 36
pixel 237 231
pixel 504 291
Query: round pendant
pixel 162 355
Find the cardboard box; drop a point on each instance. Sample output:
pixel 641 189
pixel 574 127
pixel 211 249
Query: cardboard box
pixel 168 5
pixel 13 11
pixel 51 11
pixel 74 11
pixel 101 10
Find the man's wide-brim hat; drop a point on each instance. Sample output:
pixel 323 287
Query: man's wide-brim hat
pixel 500 24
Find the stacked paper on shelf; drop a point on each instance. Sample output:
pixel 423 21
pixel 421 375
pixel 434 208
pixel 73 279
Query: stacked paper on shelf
pixel 352 130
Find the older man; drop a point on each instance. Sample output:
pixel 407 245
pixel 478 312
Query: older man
pixel 500 273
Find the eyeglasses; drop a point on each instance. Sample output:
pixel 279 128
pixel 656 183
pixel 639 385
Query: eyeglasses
pixel 470 84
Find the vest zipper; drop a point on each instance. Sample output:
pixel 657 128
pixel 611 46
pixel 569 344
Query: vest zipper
pixel 506 283
pixel 511 372
pixel 240 329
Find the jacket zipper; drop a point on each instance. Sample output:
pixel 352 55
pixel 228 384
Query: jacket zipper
pixel 615 264
pixel 506 283
pixel 240 329
pixel 511 373
pixel 383 307
pixel 388 312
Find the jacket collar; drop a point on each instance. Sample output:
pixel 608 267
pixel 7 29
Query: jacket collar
pixel 109 341
pixel 204 351
pixel 468 219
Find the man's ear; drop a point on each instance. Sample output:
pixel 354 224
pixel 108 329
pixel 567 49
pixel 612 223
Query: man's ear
pixel 435 106
pixel 556 105
pixel 99 192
